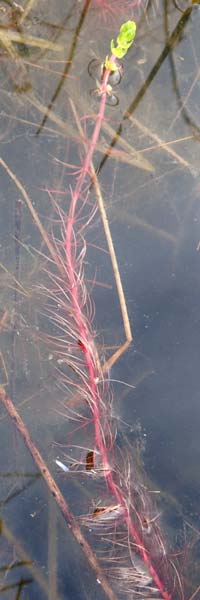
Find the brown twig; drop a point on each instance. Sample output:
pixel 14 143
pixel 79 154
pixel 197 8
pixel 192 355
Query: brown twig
pixel 56 493
pixel 122 300
pixel 52 550
pixel 33 212
pixel 28 561
pixel 28 7
pixel 160 143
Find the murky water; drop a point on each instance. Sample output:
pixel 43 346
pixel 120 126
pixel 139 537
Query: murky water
pixel 150 181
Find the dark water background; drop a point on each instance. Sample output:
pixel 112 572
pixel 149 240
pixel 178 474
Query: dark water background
pixel 152 204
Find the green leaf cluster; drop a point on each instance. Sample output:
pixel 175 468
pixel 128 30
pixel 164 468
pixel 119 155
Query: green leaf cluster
pixel 124 39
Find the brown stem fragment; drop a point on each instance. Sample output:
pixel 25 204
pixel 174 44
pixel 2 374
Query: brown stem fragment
pixel 56 493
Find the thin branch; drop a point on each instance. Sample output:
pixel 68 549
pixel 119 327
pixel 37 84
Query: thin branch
pixel 122 300
pixel 33 212
pixel 160 143
pixel 56 493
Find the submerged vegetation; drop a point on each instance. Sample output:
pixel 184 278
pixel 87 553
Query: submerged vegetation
pixel 75 164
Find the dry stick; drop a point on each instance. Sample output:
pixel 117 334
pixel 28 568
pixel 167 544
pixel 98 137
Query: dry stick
pixel 56 493
pixel 195 593
pixel 124 216
pixel 136 156
pixel 68 62
pixel 127 328
pixel 52 550
pixel 7 36
pixel 130 155
pixel 33 213
pixel 160 143
pixel 172 40
pixel 28 561
pixel 28 7
pixel 3 367
pixel 20 288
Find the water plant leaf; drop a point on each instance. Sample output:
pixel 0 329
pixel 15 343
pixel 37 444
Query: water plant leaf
pixel 128 31
pixel 124 39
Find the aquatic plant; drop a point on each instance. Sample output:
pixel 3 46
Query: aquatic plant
pixel 123 42
pixel 137 562
pixel 127 516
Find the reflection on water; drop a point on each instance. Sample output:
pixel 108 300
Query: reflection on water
pixel 149 176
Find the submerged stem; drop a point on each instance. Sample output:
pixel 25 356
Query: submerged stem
pixel 56 493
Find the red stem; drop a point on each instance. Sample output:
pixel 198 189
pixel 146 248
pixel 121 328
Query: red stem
pixel 86 341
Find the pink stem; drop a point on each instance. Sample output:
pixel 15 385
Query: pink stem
pixel 86 341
